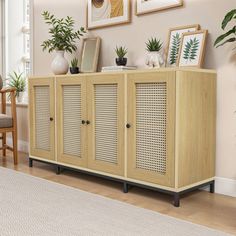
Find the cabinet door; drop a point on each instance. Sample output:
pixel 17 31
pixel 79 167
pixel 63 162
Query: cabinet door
pixel 151 115
pixel 106 129
pixel 41 110
pixel 71 111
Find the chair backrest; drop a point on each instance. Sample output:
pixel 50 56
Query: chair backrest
pixel 12 92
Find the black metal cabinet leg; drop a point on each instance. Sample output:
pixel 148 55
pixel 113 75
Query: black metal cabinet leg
pixel 30 162
pixel 125 188
pixel 176 199
pixel 58 170
pixel 212 187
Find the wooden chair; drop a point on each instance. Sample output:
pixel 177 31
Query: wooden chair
pixel 9 123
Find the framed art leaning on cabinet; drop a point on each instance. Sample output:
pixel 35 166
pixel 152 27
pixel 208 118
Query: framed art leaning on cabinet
pixel 192 49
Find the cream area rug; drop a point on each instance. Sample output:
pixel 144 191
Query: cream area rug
pixel 33 206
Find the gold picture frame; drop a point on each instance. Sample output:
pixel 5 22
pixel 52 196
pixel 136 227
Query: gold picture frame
pixel 90 55
pixel 151 6
pixel 117 12
pixel 173 32
pixel 188 61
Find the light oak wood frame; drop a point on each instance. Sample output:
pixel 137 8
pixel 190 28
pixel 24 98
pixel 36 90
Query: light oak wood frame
pixel 44 82
pixel 202 50
pixel 195 147
pixel 196 26
pixel 110 24
pixel 157 9
pixel 96 55
pixel 12 129
pixel 61 156
pixel 169 78
pixel 92 162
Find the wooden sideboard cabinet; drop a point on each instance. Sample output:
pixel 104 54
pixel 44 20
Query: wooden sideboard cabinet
pixel 150 128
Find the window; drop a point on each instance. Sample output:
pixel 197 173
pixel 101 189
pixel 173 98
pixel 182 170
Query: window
pixel 16 38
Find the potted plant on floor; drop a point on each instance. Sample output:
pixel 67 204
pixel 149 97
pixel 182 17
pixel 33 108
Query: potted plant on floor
pixel 74 69
pixel 230 35
pixel 154 57
pixel 63 39
pixel 18 81
pixel 121 60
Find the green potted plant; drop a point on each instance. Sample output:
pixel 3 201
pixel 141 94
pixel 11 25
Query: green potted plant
pixel 121 60
pixel 230 35
pixel 62 39
pixel 18 81
pixel 154 57
pixel 74 69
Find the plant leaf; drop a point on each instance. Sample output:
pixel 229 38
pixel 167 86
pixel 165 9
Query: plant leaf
pixel 227 41
pixel 190 49
pixel 223 36
pixel 229 16
pixel 175 48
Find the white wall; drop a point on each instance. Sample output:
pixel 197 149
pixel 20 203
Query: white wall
pixel 207 13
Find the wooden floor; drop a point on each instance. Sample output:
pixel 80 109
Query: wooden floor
pixel 200 207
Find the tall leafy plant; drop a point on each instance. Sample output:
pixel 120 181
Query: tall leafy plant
pixel 230 35
pixel 63 35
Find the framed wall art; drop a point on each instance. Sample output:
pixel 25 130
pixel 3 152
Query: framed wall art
pixel 174 42
pixel 103 13
pixel 192 49
pixel 148 6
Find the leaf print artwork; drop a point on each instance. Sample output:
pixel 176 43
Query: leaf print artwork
pixel 175 48
pixel 190 49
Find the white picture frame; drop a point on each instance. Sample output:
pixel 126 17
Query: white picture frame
pixel 107 13
pixel 192 49
pixel 149 6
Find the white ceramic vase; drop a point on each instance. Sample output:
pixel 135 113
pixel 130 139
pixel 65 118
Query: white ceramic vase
pixel 60 65
pixel 154 60
pixel 20 97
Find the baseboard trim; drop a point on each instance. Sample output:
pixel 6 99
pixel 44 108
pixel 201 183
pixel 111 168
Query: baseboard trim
pixel 23 146
pixel 225 186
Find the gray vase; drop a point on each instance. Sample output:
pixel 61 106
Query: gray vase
pixel 1 83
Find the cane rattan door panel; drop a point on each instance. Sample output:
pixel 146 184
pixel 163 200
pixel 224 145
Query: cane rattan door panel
pixel 41 109
pixel 71 116
pixel 106 131
pixel 151 104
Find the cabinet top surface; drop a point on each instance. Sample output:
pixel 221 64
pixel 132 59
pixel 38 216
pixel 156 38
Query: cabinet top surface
pixel 174 69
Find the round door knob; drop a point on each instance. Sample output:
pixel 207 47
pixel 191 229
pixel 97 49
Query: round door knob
pixel 83 122
pixel 128 126
pixel 87 122
pixel 51 119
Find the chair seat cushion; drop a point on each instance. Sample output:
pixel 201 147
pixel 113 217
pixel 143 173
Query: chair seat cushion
pixel 5 121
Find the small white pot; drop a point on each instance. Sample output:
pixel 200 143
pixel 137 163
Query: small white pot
pixel 154 60
pixel 60 65
pixel 20 97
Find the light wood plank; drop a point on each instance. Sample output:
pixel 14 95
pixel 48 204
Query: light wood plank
pixel 195 127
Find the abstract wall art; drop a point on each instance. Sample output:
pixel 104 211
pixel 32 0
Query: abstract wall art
pixel 102 13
